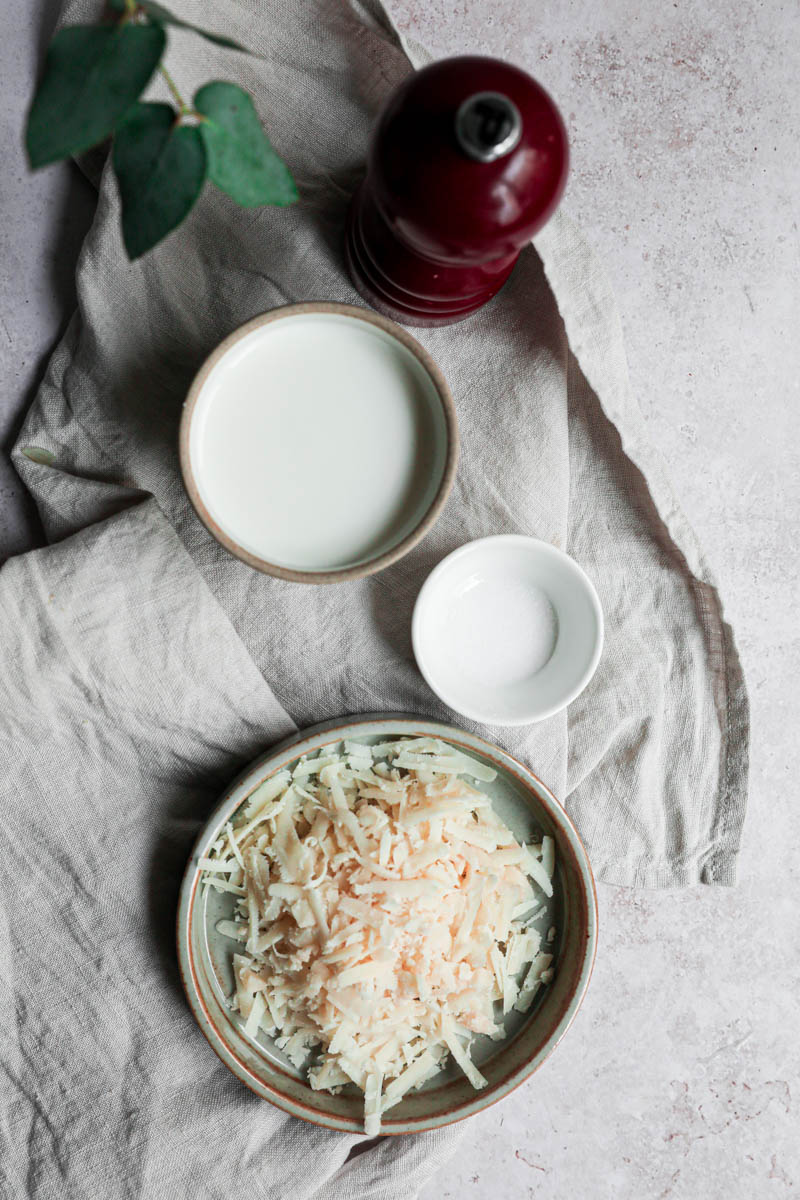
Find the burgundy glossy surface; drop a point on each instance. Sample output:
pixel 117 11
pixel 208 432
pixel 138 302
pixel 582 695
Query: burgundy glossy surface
pixel 433 234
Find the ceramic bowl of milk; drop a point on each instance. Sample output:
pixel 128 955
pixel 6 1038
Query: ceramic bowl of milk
pixel 319 442
pixel 507 630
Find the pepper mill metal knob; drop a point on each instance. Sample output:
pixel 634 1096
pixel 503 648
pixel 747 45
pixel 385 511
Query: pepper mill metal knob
pixel 488 126
pixel 467 162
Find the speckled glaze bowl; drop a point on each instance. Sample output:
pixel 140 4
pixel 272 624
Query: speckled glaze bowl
pixel 300 381
pixel 530 809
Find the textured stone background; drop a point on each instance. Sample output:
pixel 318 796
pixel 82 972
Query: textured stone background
pixel 680 1077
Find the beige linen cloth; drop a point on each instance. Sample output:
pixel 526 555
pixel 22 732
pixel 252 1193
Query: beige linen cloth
pixel 142 666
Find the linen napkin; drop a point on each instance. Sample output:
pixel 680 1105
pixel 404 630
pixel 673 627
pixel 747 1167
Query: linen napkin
pixel 143 664
pixel 127 702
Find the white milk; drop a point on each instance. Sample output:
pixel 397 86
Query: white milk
pixel 318 441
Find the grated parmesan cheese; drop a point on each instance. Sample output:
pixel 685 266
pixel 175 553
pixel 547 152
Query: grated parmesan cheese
pixel 383 916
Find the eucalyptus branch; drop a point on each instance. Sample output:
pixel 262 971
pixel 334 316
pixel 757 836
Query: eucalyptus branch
pixel 177 97
pixel 91 90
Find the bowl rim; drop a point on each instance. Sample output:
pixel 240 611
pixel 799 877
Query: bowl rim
pixel 347 727
pixel 426 521
pixel 419 615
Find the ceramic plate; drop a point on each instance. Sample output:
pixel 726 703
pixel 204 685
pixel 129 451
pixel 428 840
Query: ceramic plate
pixel 530 810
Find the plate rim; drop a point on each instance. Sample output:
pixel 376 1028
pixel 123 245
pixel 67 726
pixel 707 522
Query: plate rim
pixel 482 1099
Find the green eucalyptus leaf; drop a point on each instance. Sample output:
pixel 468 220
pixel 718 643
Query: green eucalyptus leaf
pixel 37 454
pixel 92 75
pixel 241 160
pixel 161 167
pixel 159 13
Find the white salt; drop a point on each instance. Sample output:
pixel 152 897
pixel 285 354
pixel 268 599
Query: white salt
pixel 500 631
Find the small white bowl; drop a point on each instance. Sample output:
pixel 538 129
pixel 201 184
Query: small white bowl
pixel 507 630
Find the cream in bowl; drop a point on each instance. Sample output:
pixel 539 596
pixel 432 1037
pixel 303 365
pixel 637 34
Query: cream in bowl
pixel 507 630
pixel 319 442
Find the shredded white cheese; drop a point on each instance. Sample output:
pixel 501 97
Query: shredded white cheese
pixel 383 917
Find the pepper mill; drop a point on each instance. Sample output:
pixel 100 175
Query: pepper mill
pixel 467 162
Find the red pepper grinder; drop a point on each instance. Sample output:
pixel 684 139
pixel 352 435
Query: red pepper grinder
pixel 467 162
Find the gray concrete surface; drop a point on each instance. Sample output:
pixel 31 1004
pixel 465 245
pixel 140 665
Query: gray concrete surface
pixel 680 1076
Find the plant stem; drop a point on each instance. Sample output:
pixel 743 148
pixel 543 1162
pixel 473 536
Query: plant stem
pixel 130 13
pixel 179 100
